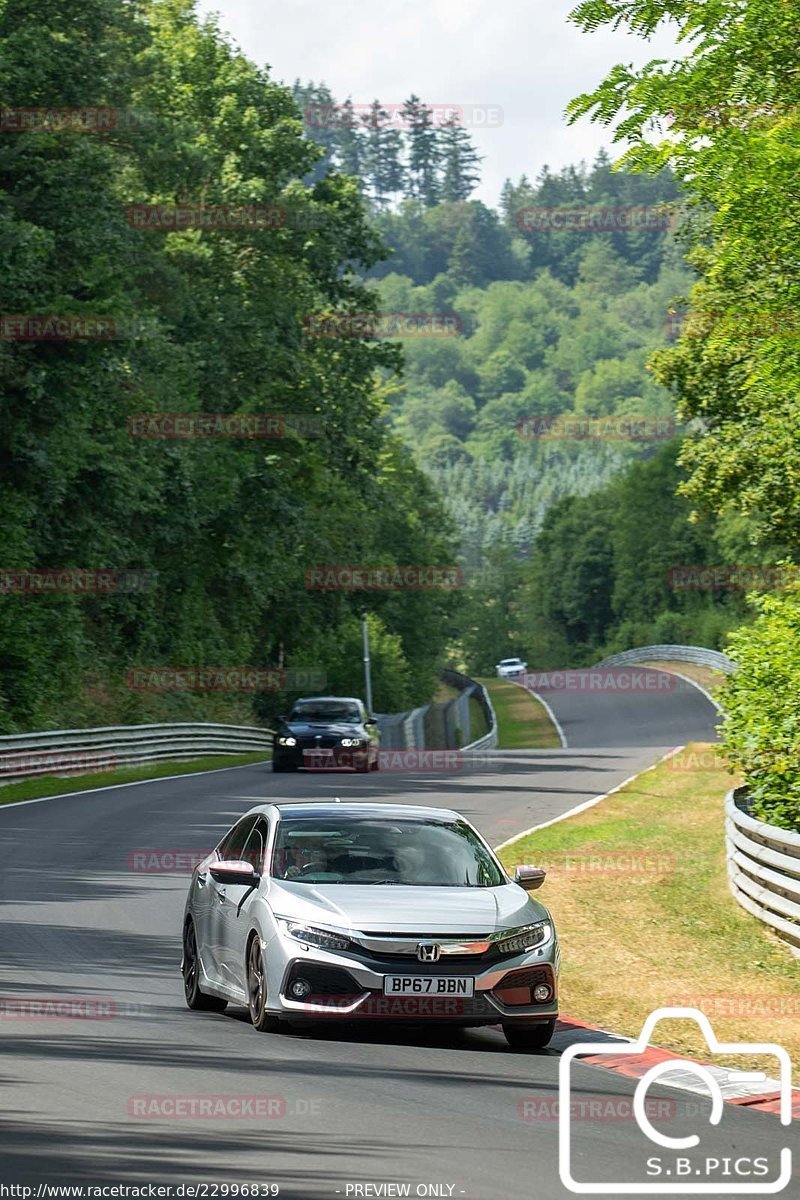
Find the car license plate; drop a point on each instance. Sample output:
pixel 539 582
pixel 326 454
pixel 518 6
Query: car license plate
pixel 428 985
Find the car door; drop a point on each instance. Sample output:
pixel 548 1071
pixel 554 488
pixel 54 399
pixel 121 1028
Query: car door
pixel 209 928
pixel 234 907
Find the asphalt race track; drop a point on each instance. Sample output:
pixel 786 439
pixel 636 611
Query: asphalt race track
pixel 444 1112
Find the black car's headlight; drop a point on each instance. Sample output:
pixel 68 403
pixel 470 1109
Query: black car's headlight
pixel 524 938
pixel 362 742
pixel 287 740
pixel 313 935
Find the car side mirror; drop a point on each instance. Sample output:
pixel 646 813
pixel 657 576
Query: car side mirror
pixel 235 871
pixel 529 877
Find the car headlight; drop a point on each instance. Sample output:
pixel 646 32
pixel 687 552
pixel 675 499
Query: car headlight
pixel 525 938
pixel 354 742
pixel 312 935
pixel 287 741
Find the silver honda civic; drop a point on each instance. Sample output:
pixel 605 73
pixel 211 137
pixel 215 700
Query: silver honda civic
pixel 308 912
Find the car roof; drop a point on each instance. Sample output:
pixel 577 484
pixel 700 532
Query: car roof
pixel 345 699
pixel 327 808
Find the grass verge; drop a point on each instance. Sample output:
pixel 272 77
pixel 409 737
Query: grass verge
pixel 636 940
pixel 56 785
pixel 522 722
pixel 708 678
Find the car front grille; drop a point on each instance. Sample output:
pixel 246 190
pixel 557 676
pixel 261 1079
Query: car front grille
pixel 516 987
pixel 324 981
pixel 527 977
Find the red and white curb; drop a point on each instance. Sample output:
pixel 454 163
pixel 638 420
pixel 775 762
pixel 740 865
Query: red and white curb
pixel 736 1086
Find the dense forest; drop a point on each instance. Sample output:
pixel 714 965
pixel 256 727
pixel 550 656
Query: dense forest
pixel 210 320
pixel 561 443
pixel 541 423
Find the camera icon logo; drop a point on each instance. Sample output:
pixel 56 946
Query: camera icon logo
pixel 685 1175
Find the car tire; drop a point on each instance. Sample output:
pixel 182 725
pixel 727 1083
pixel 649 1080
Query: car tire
pixel 257 989
pixel 190 969
pixel 529 1037
pixel 279 766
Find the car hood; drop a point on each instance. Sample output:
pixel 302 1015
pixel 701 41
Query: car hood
pixel 325 728
pixel 392 908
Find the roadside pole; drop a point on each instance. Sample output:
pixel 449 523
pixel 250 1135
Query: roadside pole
pixel 367 671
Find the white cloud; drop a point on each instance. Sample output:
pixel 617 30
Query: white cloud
pixel 522 55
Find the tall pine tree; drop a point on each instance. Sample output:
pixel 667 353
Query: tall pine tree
pixel 349 148
pixel 382 164
pixel 460 159
pixel 423 152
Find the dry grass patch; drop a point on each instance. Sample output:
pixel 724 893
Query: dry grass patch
pixel 639 892
pixel 705 676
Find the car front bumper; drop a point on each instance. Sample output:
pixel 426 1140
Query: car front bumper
pixel 334 756
pixel 346 987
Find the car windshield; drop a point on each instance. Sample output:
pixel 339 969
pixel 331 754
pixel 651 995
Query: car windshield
pixel 325 710
pixel 510 662
pixel 413 852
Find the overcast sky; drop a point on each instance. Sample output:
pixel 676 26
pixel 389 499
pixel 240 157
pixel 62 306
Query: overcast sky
pixel 520 58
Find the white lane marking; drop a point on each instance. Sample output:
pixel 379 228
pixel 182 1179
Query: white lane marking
pixel 694 683
pixel 550 714
pixel 112 787
pixel 579 808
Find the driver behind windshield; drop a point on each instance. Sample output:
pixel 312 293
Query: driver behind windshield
pixel 324 712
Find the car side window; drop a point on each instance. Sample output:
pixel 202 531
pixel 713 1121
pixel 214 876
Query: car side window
pixel 256 846
pixel 232 845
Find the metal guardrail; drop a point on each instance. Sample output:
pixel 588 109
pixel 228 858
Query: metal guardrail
pixel 470 687
pixel 63 751
pixel 689 654
pixel 763 869
pixel 406 731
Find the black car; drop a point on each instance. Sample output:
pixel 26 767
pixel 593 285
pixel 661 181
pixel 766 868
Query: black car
pixel 326 731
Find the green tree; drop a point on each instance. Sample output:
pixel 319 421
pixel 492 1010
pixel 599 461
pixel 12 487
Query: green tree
pixel 424 152
pixel 460 161
pixel 382 167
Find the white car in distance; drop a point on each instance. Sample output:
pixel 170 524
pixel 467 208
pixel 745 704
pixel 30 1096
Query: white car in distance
pixel 509 668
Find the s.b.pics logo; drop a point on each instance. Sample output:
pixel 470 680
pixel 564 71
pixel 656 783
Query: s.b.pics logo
pixel 687 1149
